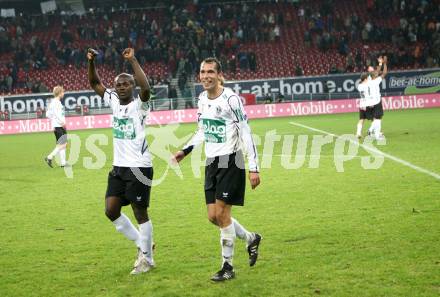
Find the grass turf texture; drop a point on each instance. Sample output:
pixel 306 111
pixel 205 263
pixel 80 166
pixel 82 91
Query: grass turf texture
pixel 356 233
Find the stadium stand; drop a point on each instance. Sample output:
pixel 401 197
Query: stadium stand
pixel 263 39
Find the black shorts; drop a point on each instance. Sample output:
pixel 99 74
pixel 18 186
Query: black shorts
pixel 124 184
pixel 377 111
pixel 225 179
pixel 364 114
pixel 60 135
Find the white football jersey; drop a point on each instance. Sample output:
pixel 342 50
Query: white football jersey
pixel 223 127
pixel 374 85
pixel 365 92
pixel 55 112
pixel 128 121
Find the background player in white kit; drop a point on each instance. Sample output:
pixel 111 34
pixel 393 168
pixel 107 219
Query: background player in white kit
pixel 130 156
pixel 223 128
pixel 55 112
pixel 370 105
pixel 377 109
pixel 364 103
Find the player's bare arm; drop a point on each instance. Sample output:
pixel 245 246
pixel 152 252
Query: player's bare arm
pixel 139 74
pixel 385 67
pixel 94 80
pixel 379 65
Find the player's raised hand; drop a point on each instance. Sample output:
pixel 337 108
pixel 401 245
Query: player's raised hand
pixel 128 53
pixel 385 59
pixel 380 59
pixel 254 178
pixel 91 54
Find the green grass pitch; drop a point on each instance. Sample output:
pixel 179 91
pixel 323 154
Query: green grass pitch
pixel 326 233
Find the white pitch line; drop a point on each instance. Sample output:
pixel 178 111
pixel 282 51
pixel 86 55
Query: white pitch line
pixel 395 159
pixel 305 156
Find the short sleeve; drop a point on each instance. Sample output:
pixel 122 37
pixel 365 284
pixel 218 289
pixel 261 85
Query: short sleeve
pixel 143 106
pixel 110 98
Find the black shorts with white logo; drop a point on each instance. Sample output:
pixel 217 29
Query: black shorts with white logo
pixel 60 135
pixel 131 185
pixel 225 179
pixel 377 111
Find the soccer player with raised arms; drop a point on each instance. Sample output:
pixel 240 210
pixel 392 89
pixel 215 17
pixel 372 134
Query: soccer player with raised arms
pixel 129 182
pixel 223 127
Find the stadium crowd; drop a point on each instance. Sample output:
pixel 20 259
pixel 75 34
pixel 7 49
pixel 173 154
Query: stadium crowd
pixel 178 34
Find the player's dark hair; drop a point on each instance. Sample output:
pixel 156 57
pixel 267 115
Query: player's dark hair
pixel 218 65
pixel 364 76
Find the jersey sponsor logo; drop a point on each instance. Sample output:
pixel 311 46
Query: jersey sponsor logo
pixel 123 128
pixel 215 130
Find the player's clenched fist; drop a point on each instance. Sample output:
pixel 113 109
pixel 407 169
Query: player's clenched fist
pixel 92 53
pixel 128 53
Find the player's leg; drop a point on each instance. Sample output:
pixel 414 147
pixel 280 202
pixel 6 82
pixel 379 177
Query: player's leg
pixel 378 114
pixel 138 192
pixel 377 129
pixel 113 203
pixel 370 116
pixel 210 207
pixel 60 148
pixel 121 222
pixel 145 231
pixel 227 240
pixel 62 144
pixel 210 187
pixel 360 124
pixel 234 184
pixel 359 127
pixel 49 158
pixel 240 231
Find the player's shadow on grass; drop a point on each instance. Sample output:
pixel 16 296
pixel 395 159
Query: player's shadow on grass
pixel 296 239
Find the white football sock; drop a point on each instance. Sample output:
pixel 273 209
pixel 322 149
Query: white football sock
pixel 359 129
pixel 124 225
pixel 146 240
pixel 377 128
pixel 371 129
pixel 53 153
pixel 241 232
pixel 227 238
pixel 63 156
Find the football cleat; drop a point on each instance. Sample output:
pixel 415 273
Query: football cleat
pixel 139 256
pixel 49 162
pixel 142 266
pixel 227 272
pixel 253 249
